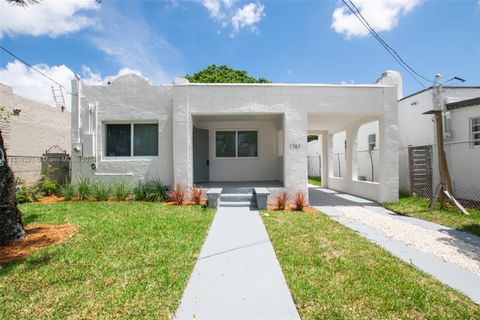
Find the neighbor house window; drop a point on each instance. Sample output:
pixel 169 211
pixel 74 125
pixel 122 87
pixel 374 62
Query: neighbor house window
pixel 475 131
pixel 131 139
pixel 236 144
pixel 372 141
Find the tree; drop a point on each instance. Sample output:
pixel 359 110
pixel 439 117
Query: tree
pixel 22 3
pixel 311 137
pixel 223 74
pixel 11 226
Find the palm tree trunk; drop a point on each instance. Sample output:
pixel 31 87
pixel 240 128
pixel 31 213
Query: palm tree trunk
pixel 11 226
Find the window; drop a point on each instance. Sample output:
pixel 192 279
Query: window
pixel 131 139
pixel 236 144
pixel 372 141
pixel 475 131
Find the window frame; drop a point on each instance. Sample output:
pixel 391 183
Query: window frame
pixel 236 157
pixel 132 147
pixel 473 141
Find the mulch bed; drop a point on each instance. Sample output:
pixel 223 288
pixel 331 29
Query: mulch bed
pixel 292 208
pixel 50 199
pixel 38 236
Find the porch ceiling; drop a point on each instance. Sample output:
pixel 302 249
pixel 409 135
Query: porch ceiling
pixel 237 117
pixel 334 122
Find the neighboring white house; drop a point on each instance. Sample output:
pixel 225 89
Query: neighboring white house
pixel 417 129
pixel 191 133
pixel 32 127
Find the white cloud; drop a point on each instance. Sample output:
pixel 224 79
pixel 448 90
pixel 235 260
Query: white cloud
pixel 248 16
pixel 51 18
pixel 231 13
pixel 382 15
pixel 28 83
pixel 128 39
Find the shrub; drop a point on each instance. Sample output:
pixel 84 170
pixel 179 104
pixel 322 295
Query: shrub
pixel 83 188
pixel 67 191
pixel 281 200
pixel 300 201
pixel 150 191
pixel 101 191
pixel 177 194
pixel 196 194
pixel 49 187
pixel 122 190
pixel 24 194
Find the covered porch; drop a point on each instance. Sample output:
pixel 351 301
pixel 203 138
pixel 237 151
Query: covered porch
pixel 359 154
pixel 237 150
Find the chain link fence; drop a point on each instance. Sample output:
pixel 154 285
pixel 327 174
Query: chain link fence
pixel 463 160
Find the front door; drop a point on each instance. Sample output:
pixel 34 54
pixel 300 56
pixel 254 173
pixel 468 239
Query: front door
pixel 201 172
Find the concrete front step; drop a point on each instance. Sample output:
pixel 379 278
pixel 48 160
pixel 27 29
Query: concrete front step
pixel 237 204
pixel 236 197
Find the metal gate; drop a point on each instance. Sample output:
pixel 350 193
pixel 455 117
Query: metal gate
pixel 420 170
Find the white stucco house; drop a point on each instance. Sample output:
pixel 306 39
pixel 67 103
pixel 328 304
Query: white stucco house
pixel 209 134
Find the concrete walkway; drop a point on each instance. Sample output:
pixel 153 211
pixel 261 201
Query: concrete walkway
pixel 237 275
pixel 449 255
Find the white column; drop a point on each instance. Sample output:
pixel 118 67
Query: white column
pixel 295 152
pixel 388 144
pixel 182 138
pixel 325 158
pixel 351 153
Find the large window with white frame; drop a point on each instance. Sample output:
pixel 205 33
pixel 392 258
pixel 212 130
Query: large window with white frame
pixel 131 139
pixel 236 143
pixel 475 131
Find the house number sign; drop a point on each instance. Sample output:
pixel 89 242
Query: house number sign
pixel 295 146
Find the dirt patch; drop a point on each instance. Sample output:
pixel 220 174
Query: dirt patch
pixel 272 207
pixel 50 199
pixel 38 236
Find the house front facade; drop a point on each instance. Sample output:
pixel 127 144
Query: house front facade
pixel 209 134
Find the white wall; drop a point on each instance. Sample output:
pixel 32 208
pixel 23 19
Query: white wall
pixel 128 98
pixel 264 167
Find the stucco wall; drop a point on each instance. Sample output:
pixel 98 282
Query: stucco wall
pixel 33 131
pixel 264 167
pixel 127 99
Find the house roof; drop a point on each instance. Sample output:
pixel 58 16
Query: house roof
pixel 464 103
pixel 445 87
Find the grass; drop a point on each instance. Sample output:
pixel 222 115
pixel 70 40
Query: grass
pixel 450 217
pixel 128 260
pixel 317 181
pixel 333 273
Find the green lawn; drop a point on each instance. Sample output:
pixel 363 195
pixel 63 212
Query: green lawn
pixel 450 217
pixel 333 273
pixel 129 259
pixel 315 181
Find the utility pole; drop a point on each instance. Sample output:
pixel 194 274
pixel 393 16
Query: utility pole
pixel 445 186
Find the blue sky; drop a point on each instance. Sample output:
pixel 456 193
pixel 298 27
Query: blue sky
pixel 284 41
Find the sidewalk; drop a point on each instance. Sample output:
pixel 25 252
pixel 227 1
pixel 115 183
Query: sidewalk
pixel 237 275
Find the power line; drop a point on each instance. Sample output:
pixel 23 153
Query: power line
pixel 32 67
pixel 354 9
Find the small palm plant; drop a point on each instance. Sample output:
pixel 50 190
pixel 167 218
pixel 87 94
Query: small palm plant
pixel 196 194
pixel 281 200
pixel 177 194
pixel 300 201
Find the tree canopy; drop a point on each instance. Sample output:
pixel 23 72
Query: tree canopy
pixel 223 74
